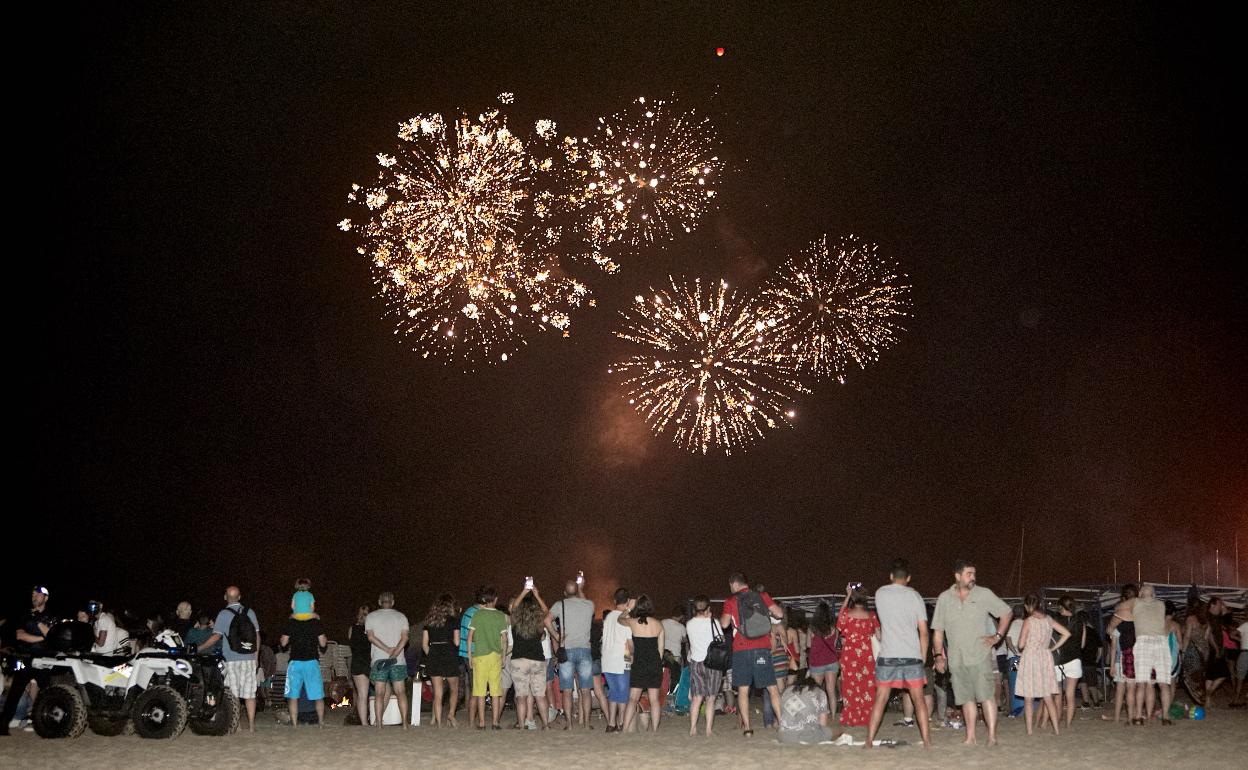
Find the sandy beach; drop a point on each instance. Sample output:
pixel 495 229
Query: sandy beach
pixel 1221 740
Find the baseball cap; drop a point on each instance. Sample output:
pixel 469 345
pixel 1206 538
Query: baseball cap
pixel 41 590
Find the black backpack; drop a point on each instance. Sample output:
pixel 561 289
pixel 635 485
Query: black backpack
pixel 242 636
pixel 755 620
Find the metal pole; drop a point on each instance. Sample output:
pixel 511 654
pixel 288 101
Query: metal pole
pixel 1138 572
pixel 1022 536
pixel 1217 566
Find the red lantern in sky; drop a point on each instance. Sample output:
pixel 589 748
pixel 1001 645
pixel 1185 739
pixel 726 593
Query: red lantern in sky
pixel 719 51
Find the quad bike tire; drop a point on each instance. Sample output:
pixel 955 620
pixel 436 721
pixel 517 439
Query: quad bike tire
pixel 107 726
pixel 222 721
pixel 159 713
pixel 59 712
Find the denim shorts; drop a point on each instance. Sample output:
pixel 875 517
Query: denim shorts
pixel 617 687
pixel 579 666
pixel 753 668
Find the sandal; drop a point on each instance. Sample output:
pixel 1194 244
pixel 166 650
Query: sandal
pixel 1166 722
pixel 748 733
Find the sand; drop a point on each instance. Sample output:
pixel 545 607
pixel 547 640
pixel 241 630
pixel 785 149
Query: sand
pixel 1221 740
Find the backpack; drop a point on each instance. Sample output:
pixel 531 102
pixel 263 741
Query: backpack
pixel 755 622
pixel 242 636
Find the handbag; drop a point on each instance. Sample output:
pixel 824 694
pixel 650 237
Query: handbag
pixel 561 654
pixel 718 653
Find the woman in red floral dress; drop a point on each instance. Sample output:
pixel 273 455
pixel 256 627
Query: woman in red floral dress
pixel 857 625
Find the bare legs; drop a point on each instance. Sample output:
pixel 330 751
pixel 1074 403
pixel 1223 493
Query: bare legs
pixel 694 703
pixel 990 719
pixel 1072 685
pixel 828 680
pixel 881 702
pixel 634 698
pixel 439 683
pixel 361 697
pixel 293 705
pixel 743 707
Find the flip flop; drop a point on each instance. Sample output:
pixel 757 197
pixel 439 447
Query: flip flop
pixel 748 733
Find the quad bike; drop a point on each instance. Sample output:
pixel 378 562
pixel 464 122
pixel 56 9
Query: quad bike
pixel 157 692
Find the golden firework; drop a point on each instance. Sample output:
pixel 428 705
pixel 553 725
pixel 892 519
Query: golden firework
pixel 457 239
pixel 836 306
pixel 708 372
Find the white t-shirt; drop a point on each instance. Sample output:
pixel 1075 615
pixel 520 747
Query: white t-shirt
pixel 673 635
pixel 1243 636
pixel 614 637
pixel 700 637
pixel 388 626
pixel 104 622
pixel 900 608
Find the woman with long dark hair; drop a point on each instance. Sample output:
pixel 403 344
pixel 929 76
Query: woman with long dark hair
pixel 804 714
pixel 647 670
pixel 1069 662
pixel 440 641
pixel 825 666
pixel 361 651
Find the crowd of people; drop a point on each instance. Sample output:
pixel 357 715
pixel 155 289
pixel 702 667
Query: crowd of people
pixel 950 666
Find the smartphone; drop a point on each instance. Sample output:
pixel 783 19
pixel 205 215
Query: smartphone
pixel 528 583
pixel 580 578
pixel 855 586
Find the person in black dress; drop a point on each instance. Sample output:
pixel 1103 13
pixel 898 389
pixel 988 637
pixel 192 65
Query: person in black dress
pixel 360 657
pixel 441 646
pixel 647 669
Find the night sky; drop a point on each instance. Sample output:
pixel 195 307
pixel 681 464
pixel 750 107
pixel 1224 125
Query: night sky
pixel 216 398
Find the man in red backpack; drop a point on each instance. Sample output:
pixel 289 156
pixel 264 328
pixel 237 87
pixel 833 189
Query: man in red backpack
pixel 239 632
pixel 749 613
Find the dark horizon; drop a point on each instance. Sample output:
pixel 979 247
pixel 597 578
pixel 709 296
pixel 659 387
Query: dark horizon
pixel 217 398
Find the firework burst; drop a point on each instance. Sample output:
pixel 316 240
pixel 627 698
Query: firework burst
pixel 646 174
pixel 707 372
pixel 457 241
pixel 834 307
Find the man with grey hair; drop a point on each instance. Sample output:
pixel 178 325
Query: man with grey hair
pixel 240 664
pixel 1152 653
pixel 387 631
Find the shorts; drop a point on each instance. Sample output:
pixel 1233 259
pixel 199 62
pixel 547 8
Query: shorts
pixel 973 683
pixel 899 672
pixel 552 670
pixel 529 677
pixel 1003 665
pixel 704 682
pixel 387 671
pixel 1242 666
pixel 617 687
pixel 359 666
pixel 752 668
pixel 240 677
pixel 1152 656
pixel 829 668
pixel 579 667
pixel 1071 670
pixel 597 667
pixel 487 675
pixel 1128 665
pixel 304 675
